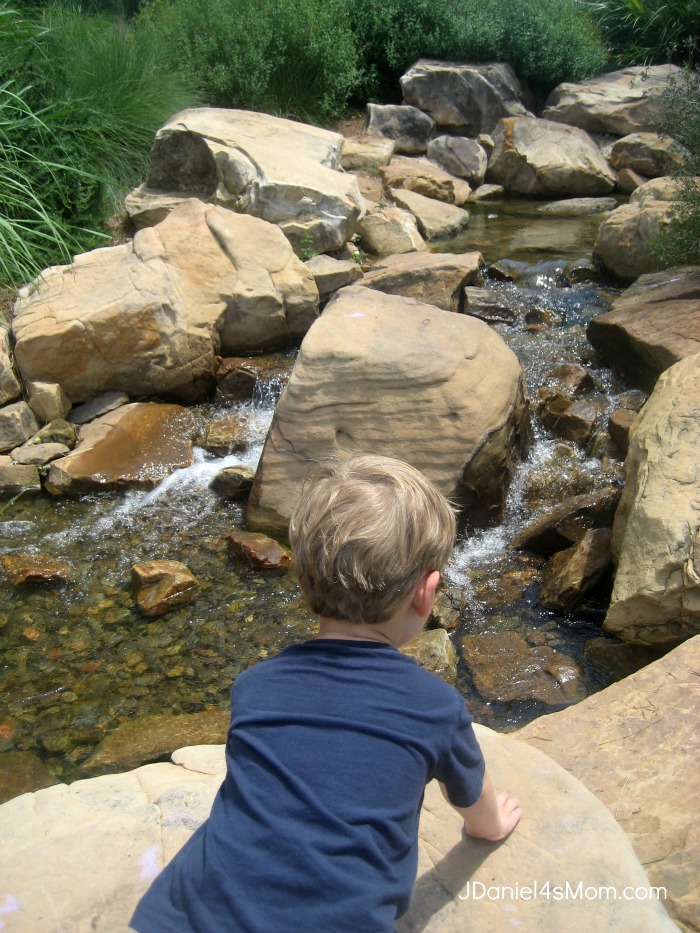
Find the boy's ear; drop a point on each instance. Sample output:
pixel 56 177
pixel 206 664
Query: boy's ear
pixel 424 593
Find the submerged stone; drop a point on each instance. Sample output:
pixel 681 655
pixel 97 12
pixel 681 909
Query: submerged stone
pixel 259 551
pixel 35 568
pixel 163 585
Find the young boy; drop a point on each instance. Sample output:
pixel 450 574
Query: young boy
pixel 332 741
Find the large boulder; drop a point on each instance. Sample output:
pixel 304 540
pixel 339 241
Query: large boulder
pixel 78 857
pixel 625 237
pixel 385 374
pixel 656 534
pixel 149 317
pixel 435 278
pixel 636 746
pixel 279 170
pixel 467 99
pixel 134 447
pixel 652 325
pixel 619 102
pixel 647 153
pixel 539 158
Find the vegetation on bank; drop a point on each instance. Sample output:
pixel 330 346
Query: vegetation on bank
pixel 86 84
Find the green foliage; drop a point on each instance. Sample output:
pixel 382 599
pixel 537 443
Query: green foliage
pixel 649 32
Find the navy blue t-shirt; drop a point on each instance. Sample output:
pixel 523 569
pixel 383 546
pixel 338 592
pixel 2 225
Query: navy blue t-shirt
pixel 315 827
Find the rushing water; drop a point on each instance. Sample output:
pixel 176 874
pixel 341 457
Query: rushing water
pixel 80 660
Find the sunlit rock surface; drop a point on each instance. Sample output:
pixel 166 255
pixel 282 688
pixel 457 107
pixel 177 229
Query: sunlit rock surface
pixel 435 278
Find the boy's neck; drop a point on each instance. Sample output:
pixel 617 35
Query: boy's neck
pixel 352 631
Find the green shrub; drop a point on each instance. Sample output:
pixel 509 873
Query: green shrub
pixel 649 32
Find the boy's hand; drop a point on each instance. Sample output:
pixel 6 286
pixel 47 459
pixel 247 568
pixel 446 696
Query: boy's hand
pixel 509 813
pixel 493 817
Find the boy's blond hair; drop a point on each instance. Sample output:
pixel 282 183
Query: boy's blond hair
pixel 363 532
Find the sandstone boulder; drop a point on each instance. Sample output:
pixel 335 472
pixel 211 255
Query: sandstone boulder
pixel 390 231
pixel 331 274
pixel 636 745
pixel 408 127
pixel 435 278
pixel 364 153
pixel 656 534
pixel 10 388
pixel 436 221
pixel 17 425
pixel 369 365
pixel 278 170
pixel 421 176
pixel 460 156
pixel 647 154
pixel 619 102
pixel 540 158
pixel 134 447
pixel 652 325
pixel 48 401
pixel 149 317
pixel 468 99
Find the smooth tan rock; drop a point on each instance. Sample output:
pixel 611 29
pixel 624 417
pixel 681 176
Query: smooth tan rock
pixel 636 746
pixel 434 651
pixel 99 405
pixel 619 102
pixel 331 274
pixel 540 158
pixel 149 317
pixel 656 535
pixel 17 425
pixel 366 152
pixel 16 478
pixel 369 364
pixel 390 231
pixel 409 127
pixel 647 154
pixel 652 325
pixel 487 193
pixel 436 221
pixel 39 454
pixel 259 551
pixel 10 387
pixel 48 401
pixel 163 585
pixel 579 207
pixel 435 278
pixel 421 176
pixel 571 574
pixel 134 447
pixel 624 240
pixel 279 170
pixel 35 568
pixel 620 424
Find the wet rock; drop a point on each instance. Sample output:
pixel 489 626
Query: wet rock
pixel 581 270
pixel 48 401
pixel 507 588
pixel 559 527
pixel 444 613
pixel 469 99
pixel 35 568
pixel 410 128
pixel 163 585
pixel 505 669
pixel 390 231
pixel 10 387
pixel 331 274
pixel 134 447
pixel 507 270
pixel 635 745
pixel 238 376
pixel 149 738
pixel 150 316
pixel 487 193
pixel 538 158
pixel 421 176
pixel 233 482
pixel 573 377
pixel 578 207
pixel 572 421
pixel 647 154
pixel 459 156
pixel 398 357
pixel 100 405
pixel 656 534
pixel 56 432
pixel 259 551
pixel 22 773
pixel 17 425
pixel 619 425
pixel 616 658
pixel 39 454
pixel 435 278
pixel 571 574
pixel 225 435
pixel 434 651
pixel 15 478
pixel 489 304
pixel 435 220
pixel 652 325
pixel 619 102
pixel 277 170
pixel 366 152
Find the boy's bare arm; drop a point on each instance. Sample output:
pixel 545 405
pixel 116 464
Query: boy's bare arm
pixel 493 817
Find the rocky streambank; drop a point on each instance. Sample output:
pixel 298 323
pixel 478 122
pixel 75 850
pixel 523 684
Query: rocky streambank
pixel 144 363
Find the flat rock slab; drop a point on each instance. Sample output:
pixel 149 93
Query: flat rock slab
pixel 436 221
pixel 561 525
pixel 636 746
pixel 259 551
pixel 35 568
pixel 579 207
pixel 79 857
pixel 435 278
pixel 134 447
pixel 162 585
pixel 366 152
pixel 421 176
pixel 619 102
pixel 16 478
pixel 652 325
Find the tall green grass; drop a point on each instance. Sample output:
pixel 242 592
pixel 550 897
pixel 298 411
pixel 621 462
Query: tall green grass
pixel 649 32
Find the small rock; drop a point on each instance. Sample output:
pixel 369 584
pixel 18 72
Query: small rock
pixel 444 615
pixel 48 401
pixel 572 421
pixel 390 231
pixel 233 482
pixel 573 377
pixel 56 432
pixel 581 270
pixel 15 478
pixel 507 270
pixel 487 193
pixel 225 435
pixel 619 425
pixel 421 176
pixel 409 127
pixel 239 378
pixel 434 651
pixel 39 454
pixel 35 568
pixel 163 585
pixel 436 221
pixel 578 207
pixel 489 305
pixel 366 152
pixel 259 551
pixel 17 425
pixel 571 574
pixel 98 406
pixel 331 274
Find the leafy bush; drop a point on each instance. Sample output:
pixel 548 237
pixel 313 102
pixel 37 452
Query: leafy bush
pixel 649 32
